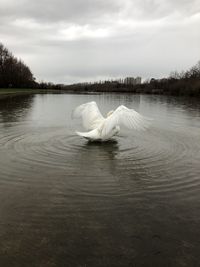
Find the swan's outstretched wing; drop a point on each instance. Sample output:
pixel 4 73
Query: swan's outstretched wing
pixel 89 113
pixel 124 116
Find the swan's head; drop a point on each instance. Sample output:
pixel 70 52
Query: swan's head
pixel 110 113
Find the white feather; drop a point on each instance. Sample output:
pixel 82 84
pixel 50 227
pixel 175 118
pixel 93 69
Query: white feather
pixel 101 128
pixel 123 116
pixel 90 114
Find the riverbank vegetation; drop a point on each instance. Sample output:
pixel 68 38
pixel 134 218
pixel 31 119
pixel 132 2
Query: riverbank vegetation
pixel 14 73
pixel 185 83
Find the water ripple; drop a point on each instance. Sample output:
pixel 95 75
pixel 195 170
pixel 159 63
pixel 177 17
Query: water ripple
pixel 156 162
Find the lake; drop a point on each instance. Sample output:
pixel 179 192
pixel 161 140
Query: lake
pixel 133 201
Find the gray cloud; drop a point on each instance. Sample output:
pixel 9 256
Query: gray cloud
pixel 83 11
pixel 78 40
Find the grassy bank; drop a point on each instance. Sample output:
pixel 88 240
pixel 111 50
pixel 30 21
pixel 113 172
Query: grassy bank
pixel 4 93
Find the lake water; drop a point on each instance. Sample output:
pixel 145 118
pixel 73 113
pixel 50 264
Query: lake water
pixel 65 202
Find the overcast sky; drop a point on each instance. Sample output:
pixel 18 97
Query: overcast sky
pixel 67 41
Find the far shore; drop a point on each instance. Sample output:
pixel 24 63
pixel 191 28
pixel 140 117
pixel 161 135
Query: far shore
pixel 4 93
pixel 12 92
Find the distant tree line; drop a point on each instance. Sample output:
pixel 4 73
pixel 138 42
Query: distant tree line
pixel 178 83
pixel 14 72
pixel 185 83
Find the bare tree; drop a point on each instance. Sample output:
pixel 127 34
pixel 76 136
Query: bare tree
pixel 13 72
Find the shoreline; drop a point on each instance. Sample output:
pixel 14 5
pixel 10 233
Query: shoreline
pixel 6 93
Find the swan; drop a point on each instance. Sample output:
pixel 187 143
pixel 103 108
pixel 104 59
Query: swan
pixel 102 129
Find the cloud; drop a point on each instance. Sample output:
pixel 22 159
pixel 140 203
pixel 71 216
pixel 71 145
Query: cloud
pixel 68 41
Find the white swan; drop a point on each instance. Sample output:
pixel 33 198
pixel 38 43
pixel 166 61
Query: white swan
pixel 102 129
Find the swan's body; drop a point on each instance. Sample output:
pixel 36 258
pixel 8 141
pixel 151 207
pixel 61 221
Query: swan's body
pixel 103 129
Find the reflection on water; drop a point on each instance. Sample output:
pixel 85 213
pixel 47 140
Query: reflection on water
pixel 132 201
pixel 109 147
pixel 14 108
